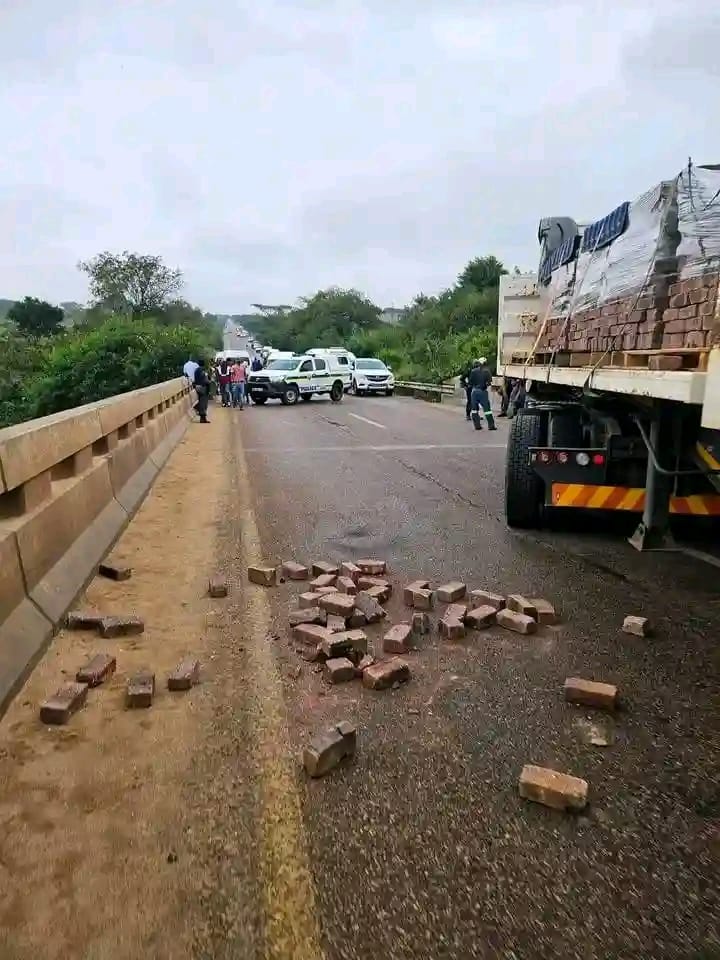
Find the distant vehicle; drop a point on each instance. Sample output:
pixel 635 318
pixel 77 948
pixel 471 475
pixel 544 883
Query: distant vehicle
pixel 372 376
pixel 302 376
pixel 232 355
pixel 345 358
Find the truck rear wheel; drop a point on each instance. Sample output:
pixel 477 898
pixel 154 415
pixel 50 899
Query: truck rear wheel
pixel 523 487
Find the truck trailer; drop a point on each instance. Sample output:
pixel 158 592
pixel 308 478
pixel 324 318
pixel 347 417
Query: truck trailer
pixel 617 338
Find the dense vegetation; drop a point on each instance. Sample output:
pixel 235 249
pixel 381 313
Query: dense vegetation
pixel 135 333
pixel 438 337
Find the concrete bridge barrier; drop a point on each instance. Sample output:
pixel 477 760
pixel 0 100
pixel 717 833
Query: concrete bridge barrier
pixel 69 483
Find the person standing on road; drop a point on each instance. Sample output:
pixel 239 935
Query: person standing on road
pixel 223 373
pixel 238 376
pixel 189 370
pixel 480 379
pixel 465 384
pixel 255 367
pixel 201 383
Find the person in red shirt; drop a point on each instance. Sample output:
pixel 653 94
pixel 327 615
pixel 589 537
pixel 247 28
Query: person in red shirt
pixel 238 377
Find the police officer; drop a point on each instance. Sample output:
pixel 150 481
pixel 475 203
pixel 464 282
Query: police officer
pixel 479 381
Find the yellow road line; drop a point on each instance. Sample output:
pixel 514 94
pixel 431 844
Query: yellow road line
pixel 291 927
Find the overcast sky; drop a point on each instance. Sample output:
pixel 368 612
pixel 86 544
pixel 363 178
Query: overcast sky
pixel 272 147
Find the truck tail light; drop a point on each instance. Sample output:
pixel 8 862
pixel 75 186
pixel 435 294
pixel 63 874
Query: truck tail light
pixel 598 459
pixel 582 459
pixel 562 457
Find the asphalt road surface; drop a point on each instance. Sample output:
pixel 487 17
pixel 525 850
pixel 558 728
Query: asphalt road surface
pixel 421 848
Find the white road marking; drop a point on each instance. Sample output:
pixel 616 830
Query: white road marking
pixel 386 447
pixel 373 423
pixel 700 555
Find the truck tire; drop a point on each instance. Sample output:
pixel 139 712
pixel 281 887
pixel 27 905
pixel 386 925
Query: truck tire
pixel 306 397
pixel 337 392
pixel 565 431
pixel 290 396
pixel 523 487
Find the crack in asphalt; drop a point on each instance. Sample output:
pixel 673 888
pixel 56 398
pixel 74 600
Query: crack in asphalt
pixel 453 493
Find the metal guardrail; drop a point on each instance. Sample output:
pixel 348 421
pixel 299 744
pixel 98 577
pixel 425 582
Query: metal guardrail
pixel 434 392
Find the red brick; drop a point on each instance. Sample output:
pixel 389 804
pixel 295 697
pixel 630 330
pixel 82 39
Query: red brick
pixel 66 701
pixel 329 749
pixel 410 589
pixel 688 312
pixel 263 576
pixel 307 615
pixel 346 585
pixel 217 587
pixel 679 300
pixel 336 624
pixel 674 289
pixel 449 592
pixel 652 317
pixel 339 670
pixel 670 315
pixel 294 570
pixel 644 302
pixel 520 604
pixel 695 338
pixel 385 674
pixel 323 580
pixel 707 309
pixel 121 626
pixel 366 661
pixel 338 603
pixel 451 628
pixel 638 626
pixel 356 619
pixel 349 569
pixel 367 583
pixel 311 633
pixel 636 317
pixel 83 620
pixel 321 567
pixel 518 622
pixel 325 591
pixel 557 790
pixel 185 675
pixel 397 639
pixel 97 669
pixel 356 638
pixel 420 624
pixel 456 611
pixel 545 610
pixel 423 599
pixel 590 694
pixel 483 598
pixel 334 647
pixel 114 569
pixel 379 593
pixel 676 326
pixel 481 617
pixel 309 599
pixel 370 607
pixel 698 296
pixel 630 341
pixel 140 690
pixel 372 568
pixel 665 361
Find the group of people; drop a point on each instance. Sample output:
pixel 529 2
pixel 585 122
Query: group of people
pixel 230 377
pixel 476 382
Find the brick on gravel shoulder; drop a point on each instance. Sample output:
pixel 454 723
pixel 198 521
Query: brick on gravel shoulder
pixel 484 598
pixel 520 604
pixel 311 633
pixel 380 593
pixel 321 567
pixel 366 661
pixel 420 624
pixel 263 576
pixel 481 617
pixel 114 569
pixel 307 615
pixel 330 748
pixel 68 699
pixel 293 570
pixel 561 791
pixel 339 670
pixel 372 568
pixel 423 599
pixel 546 613
pixel 96 670
pixel 590 693
pixel 397 639
pixel 637 626
pixel 452 591
pixel 350 570
pixel 410 588
pixel 309 599
pixel 185 675
pixel 517 622
pixel 382 675
pixel 323 580
pixel 338 603
pixel 121 626
pixel 370 607
pixel 83 620
pixel 140 690
pixel 451 628
pixel 346 585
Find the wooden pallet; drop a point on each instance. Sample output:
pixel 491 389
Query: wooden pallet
pixel 693 358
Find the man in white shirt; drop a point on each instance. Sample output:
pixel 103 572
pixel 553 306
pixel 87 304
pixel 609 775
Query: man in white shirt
pixel 189 370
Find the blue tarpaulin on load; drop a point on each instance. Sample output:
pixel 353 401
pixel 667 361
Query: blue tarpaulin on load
pixel 603 232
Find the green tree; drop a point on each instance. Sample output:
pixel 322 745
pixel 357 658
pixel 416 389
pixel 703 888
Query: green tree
pixel 131 283
pixel 36 318
pixel 481 272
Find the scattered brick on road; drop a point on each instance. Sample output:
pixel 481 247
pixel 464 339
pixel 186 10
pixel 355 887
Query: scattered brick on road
pixel 366 661
pixel 370 607
pixel 140 690
pixel 483 598
pixel 356 619
pixel 185 675
pixel 324 591
pixel 382 675
pixel 97 669
pixel 263 576
pixel 323 580
pixel 64 702
pixel 121 626
pixel 380 593
pixel 557 790
pixel 351 570
pixel 638 626
pixel 307 615
pixel 322 567
pixel 114 569
pixel 309 599
pixel 367 583
pixel 545 611
pixel 518 622
pixel 83 620
pixel 311 633
pixel 339 670
pixel 519 604
pixel 217 587
pixel 397 639
pixel 449 592
pixel 336 624
pixel 423 599
pixel 451 628
pixel 328 749
pixel 335 646
pixel 481 617
pixel 346 585
pixel 356 638
pixel 590 693
pixel 338 603
pixel 294 570
pixel 372 568
pixel 456 611
pixel 410 588
pixel 420 624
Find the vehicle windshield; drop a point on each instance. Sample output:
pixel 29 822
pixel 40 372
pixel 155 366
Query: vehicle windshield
pixel 288 364
pixel 370 365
